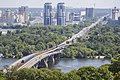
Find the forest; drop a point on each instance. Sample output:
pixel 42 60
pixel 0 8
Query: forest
pixel 28 40
pixel 103 40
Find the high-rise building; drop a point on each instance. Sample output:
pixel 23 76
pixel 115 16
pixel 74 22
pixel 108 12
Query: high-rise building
pixel 71 16
pixel 24 13
pixel 119 20
pixel 61 14
pixel 75 16
pixel 9 17
pixel 115 13
pixel 67 16
pixel 54 16
pixel 89 13
pixel 0 13
pixel 48 14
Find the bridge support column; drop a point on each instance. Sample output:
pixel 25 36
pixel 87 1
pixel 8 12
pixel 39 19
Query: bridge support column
pixel 51 59
pixel 35 66
pixel 43 63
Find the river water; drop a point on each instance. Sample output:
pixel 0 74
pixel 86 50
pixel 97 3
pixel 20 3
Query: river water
pixel 4 62
pixel 67 65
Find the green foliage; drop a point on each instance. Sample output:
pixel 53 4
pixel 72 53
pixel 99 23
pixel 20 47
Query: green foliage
pixel 115 66
pixel 101 41
pixel 2 76
pixel 104 74
pixel 35 74
pixel 117 76
pixel 84 73
pixel 35 38
pixel 72 76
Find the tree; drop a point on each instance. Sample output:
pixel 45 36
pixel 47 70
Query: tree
pixel 87 73
pixel 72 76
pixel 2 76
pixel 117 76
pixel 40 46
pixel 115 64
pixel 104 74
pixel 0 33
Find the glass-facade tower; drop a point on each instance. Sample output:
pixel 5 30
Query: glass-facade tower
pixel 48 14
pixel 61 14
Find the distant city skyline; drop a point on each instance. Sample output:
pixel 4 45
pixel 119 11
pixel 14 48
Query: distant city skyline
pixel 69 3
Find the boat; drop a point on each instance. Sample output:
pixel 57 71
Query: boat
pixel 1 55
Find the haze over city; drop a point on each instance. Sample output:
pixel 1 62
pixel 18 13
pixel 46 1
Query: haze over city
pixel 69 3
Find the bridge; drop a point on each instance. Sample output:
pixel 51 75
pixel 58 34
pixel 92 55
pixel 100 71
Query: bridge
pixel 43 59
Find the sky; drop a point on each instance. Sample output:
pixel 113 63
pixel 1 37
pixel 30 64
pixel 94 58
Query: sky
pixel 68 3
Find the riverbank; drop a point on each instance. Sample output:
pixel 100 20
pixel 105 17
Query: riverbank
pixel 85 57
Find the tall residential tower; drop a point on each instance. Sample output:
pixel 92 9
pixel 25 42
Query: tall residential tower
pixel 89 13
pixel 119 20
pixel 48 14
pixel 61 14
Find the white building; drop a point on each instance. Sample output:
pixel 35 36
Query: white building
pixel 115 13
pixel 23 14
pixel 82 13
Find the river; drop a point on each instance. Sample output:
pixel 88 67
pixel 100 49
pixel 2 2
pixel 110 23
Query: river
pixel 4 62
pixel 67 65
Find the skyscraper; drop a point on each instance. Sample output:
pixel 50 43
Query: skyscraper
pixel 61 14
pixel 0 13
pixel 115 13
pixel 67 16
pixel 119 20
pixel 89 13
pixel 24 13
pixel 48 14
pixel 9 17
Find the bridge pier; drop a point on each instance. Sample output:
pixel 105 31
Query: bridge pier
pixel 43 64
pixel 47 62
pixel 51 60
pixel 35 66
